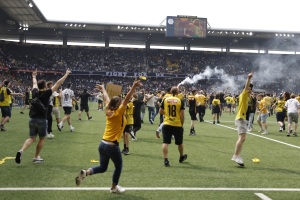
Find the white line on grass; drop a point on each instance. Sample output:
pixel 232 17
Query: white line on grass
pixel 149 189
pixel 262 196
pixel 291 145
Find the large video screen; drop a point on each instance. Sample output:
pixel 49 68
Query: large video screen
pixel 186 27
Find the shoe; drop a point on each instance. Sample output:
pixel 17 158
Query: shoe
pixel 295 134
pixel 260 131
pixel 142 121
pixel 21 112
pixel 288 134
pixel 151 121
pixel 38 160
pixel 59 127
pixel 80 177
pixel 90 117
pixel 2 128
pixel 18 157
pixel 238 160
pixel 134 139
pixel 218 122
pixel 283 127
pixel 126 152
pixel 265 132
pixel 249 129
pixel 166 163
pixel 214 122
pixel 117 189
pixel 50 136
pixel 79 119
pixel 183 158
pixel 157 134
pixel 280 130
pixel 72 128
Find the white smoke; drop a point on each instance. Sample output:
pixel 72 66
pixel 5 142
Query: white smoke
pixel 223 81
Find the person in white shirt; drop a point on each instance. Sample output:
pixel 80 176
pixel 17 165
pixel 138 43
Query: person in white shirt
pixel 292 105
pixel 150 103
pixel 67 95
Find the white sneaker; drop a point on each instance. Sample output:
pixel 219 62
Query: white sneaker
pixel 72 128
pixel 118 189
pixel 38 160
pixel 260 131
pixel 238 160
pixel 50 136
pixel 80 177
pixel 265 132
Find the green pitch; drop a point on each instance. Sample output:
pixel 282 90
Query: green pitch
pixel 208 173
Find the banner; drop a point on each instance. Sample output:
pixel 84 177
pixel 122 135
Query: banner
pixel 113 90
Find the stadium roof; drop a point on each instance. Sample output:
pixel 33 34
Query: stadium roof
pixel 32 20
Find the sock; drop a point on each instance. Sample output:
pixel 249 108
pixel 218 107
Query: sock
pixel 124 146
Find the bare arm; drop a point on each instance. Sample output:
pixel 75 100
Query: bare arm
pixel 60 81
pixel 34 81
pixel 182 116
pixel 131 91
pixel 248 80
pixel 101 88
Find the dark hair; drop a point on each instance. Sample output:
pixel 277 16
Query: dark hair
pixel 114 103
pixel 251 85
pixel 6 82
pixel 69 85
pixel 41 84
pixel 174 91
pixel 49 83
pixel 84 90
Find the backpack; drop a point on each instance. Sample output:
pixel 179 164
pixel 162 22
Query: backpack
pixel 2 95
pixel 37 107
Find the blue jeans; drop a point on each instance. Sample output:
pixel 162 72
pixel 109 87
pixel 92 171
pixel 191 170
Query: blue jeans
pixel 151 112
pixel 108 151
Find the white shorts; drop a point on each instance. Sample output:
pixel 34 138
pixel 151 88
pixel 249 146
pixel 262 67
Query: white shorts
pixel 241 125
pixel 56 112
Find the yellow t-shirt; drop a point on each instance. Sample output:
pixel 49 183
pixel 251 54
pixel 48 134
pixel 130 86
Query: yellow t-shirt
pixel 243 105
pixel 129 114
pixel 200 99
pixel 167 95
pixel 229 100
pixel 268 100
pixel 172 108
pixel 7 98
pixel 298 98
pixel 263 106
pixel 115 124
pixel 279 106
pixel 180 96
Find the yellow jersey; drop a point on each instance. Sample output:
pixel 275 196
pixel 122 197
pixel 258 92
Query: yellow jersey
pixel 172 110
pixel 243 105
pixel 129 114
pixel 115 124
pixel 263 106
pixel 279 106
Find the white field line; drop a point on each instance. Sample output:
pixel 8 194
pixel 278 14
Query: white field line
pixel 262 196
pixel 256 135
pixel 148 188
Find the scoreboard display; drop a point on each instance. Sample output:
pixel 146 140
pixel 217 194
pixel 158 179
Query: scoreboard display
pixel 191 27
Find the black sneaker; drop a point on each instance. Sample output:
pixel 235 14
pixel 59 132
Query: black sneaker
pixel 90 117
pixel 21 112
pixel 218 122
pixel 166 163
pixel 18 157
pixel 2 128
pixel 295 134
pixel 214 122
pixel 126 152
pixel 183 158
pixel 79 119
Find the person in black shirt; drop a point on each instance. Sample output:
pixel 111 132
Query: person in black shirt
pixel 84 104
pixel 38 118
pixel 137 122
pixel 192 111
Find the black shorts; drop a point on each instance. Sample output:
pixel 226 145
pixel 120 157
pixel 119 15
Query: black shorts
pixel 280 116
pixel 128 128
pixel 100 101
pixel 84 107
pixel 215 110
pixel 168 131
pixel 5 111
pixel 67 110
pixel 193 115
